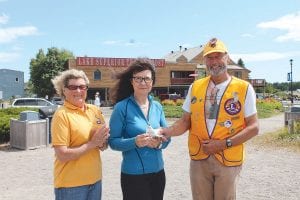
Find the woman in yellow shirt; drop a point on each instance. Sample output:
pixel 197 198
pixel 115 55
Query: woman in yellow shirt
pixel 78 133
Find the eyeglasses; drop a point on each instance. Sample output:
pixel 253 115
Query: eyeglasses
pixel 139 79
pixel 75 87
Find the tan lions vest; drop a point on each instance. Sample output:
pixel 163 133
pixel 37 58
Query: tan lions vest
pixel 229 120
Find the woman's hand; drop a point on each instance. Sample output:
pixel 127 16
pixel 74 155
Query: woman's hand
pixel 142 140
pixel 154 141
pixel 100 137
pixel 104 147
pixel 147 140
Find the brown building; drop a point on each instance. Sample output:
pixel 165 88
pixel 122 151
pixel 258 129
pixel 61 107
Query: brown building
pixel 174 72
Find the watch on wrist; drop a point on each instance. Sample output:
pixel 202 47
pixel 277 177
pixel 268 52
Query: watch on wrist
pixel 228 143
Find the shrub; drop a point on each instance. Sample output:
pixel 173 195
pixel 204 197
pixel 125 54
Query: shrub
pixel 179 102
pixel 172 111
pixel 168 102
pixel 5 116
pixel 268 107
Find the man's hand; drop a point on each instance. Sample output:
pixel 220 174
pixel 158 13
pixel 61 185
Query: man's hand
pixel 213 146
pixel 164 133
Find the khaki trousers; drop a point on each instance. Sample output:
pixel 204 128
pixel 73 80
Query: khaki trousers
pixel 211 180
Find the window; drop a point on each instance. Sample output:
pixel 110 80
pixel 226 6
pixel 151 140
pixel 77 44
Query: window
pixel 17 79
pixel 20 102
pixel 31 102
pixel 97 75
pixel 181 74
pixel 238 74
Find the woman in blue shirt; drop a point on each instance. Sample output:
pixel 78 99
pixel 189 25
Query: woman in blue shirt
pixel 133 124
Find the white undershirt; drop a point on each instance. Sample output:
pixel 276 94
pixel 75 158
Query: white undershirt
pixel 250 102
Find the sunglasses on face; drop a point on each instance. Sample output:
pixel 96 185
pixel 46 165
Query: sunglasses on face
pixel 75 87
pixel 139 79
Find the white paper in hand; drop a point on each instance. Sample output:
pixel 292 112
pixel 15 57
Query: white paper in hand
pixel 153 132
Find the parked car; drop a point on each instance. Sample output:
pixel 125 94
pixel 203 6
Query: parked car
pixel 173 97
pixel 57 101
pixel 31 102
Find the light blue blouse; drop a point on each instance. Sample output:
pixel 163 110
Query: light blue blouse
pixel 126 122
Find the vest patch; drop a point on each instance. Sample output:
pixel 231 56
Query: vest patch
pixel 194 100
pixel 232 107
pixel 227 123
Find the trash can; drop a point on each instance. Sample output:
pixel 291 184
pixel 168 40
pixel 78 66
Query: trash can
pixel 28 132
pixel 29 115
pixel 295 108
pixel 47 113
pixel 293 114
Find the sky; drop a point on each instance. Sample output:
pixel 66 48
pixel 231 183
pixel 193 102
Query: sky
pixel 265 34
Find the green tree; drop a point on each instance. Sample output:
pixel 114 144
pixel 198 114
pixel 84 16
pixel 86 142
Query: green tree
pixel 44 67
pixel 241 63
pixel 270 89
pixel 28 89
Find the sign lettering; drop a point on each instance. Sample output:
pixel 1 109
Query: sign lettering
pixel 112 62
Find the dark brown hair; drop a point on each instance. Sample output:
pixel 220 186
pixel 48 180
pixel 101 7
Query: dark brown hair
pixel 123 88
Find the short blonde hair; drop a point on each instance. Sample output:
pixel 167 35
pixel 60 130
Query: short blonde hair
pixel 62 80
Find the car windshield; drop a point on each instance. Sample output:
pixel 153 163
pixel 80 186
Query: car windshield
pixel 31 102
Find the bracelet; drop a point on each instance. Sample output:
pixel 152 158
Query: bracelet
pixel 159 146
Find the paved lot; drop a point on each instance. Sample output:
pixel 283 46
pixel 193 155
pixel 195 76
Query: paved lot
pixel 267 174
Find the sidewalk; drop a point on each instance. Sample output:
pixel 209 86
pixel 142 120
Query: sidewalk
pixel 271 124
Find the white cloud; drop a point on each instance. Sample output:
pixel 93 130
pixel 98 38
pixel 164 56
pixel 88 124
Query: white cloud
pixel 9 34
pixel 3 18
pixel 187 45
pixel 264 56
pixel 131 42
pixel 8 57
pixel 111 42
pixel 247 35
pixel 289 23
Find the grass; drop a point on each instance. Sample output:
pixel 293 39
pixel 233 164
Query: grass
pixel 268 108
pixel 173 111
pixel 265 108
pixel 280 138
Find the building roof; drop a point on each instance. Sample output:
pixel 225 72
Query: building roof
pixel 233 67
pixel 189 54
pixel 10 70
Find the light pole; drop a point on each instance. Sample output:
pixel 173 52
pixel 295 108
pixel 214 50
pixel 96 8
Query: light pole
pixel 292 98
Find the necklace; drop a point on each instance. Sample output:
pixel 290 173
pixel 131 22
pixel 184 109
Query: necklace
pixel 143 106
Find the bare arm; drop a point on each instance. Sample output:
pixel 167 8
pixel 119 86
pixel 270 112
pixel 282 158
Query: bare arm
pixel 179 127
pixel 65 154
pixel 251 130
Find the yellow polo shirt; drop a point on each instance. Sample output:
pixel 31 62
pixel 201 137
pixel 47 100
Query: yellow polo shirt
pixel 72 127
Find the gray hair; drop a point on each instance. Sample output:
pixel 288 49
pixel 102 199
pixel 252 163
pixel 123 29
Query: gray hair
pixel 62 80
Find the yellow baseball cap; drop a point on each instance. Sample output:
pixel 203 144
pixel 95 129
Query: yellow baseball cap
pixel 214 45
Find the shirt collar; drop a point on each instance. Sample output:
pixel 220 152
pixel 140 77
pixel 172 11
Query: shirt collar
pixel 72 107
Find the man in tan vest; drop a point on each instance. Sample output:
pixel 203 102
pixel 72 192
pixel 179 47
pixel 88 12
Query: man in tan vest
pixel 220 114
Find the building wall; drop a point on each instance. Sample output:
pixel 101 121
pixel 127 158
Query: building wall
pixel 163 77
pixel 11 83
pixel 164 82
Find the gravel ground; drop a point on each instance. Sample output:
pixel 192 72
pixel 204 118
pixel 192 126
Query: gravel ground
pixel 268 173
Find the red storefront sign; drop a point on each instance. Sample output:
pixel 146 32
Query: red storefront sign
pixel 112 62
